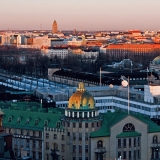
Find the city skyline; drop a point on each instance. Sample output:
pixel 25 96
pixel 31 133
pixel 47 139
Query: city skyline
pixel 80 15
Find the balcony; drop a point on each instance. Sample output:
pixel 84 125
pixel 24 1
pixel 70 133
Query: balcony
pixel 100 150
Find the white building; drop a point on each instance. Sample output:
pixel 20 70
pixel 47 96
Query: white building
pixel 60 52
pixel 146 102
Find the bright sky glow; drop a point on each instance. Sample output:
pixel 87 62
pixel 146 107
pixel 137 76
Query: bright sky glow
pixel 80 14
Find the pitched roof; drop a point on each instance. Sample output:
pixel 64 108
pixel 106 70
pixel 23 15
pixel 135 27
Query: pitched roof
pixel 25 117
pixel 110 119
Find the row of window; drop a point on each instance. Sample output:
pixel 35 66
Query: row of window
pixel 131 155
pixel 36 121
pixel 80 149
pixel 23 132
pixel 17 154
pixel 93 124
pixel 122 143
pixel 55 136
pixel 55 147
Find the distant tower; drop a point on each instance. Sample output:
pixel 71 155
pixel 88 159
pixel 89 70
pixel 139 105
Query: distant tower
pixel 54 27
pixel 74 32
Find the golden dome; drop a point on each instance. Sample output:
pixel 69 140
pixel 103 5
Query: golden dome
pixel 81 99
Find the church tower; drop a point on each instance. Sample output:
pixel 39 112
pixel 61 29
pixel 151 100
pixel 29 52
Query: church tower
pixel 54 27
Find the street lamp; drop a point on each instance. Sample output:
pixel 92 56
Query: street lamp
pixel 125 84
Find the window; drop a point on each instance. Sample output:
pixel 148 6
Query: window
pixel 55 136
pixel 74 136
pixel 86 136
pixel 86 125
pixel 155 139
pixel 129 128
pixel 21 131
pixel 47 135
pixel 134 142
pixel 80 149
pixel 129 154
pixel 18 120
pixel 86 148
pixel 45 123
pixel 62 147
pixel 34 155
pixel 74 125
pixel 62 137
pixel 134 154
pixel 124 154
pixel 124 143
pixel 9 119
pixel 92 125
pixel 74 148
pixel 27 132
pixel 99 144
pixel 36 122
pixel 34 144
pixel 129 142
pixel 55 146
pixel 119 143
pixel 80 136
pixel 40 155
pixel 58 124
pixel 138 141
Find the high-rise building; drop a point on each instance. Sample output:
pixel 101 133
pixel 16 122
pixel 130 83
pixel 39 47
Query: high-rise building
pixel 54 27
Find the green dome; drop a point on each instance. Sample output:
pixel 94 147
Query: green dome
pixel 81 99
pixel 156 60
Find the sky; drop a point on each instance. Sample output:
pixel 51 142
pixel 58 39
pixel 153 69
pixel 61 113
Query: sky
pixel 80 14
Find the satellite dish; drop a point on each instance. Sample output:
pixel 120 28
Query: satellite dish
pixel 111 86
pixel 124 83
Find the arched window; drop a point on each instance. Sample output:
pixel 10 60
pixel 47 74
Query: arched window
pixel 129 127
pixel 155 139
pixel 55 146
pixel 99 144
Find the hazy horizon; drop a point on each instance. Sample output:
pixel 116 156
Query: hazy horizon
pixel 80 14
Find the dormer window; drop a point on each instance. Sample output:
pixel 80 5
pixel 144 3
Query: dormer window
pixel 36 122
pixel 58 124
pixel 9 119
pixel 46 123
pixel 27 121
pixel 18 119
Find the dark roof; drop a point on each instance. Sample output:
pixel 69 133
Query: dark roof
pixel 108 78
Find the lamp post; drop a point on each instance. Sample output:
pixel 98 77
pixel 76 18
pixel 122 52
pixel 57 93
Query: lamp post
pixel 125 84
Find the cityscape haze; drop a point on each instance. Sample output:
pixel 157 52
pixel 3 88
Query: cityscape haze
pixel 80 14
pixel 79 80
